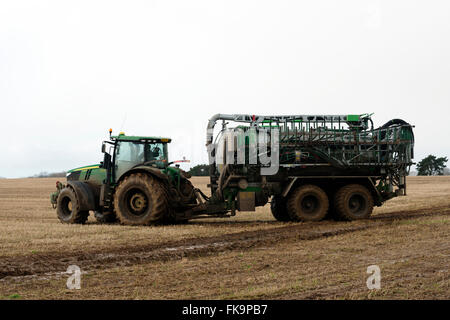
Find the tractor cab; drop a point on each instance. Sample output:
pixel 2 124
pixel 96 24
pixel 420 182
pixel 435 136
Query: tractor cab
pixel 126 152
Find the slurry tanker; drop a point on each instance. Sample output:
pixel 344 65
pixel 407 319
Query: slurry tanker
pixel 308 167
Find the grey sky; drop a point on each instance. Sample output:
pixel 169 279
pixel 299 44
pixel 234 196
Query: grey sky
pixel 70 70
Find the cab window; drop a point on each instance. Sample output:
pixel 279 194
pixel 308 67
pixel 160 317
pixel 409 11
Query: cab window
pixel 128 155
pixel 155 152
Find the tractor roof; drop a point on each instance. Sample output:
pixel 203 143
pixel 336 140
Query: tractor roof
pixel 123 137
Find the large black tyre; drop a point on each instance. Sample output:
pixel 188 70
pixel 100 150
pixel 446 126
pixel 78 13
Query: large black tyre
pixel 68 208
pixel 307 203
pixel 140 199
pixel 105 218
pixel 279 209
pixel 353 202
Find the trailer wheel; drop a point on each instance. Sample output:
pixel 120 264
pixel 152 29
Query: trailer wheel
pixel 67 208
pixel 307 203
pixel 279 209
pixel 353 202
pixel 140 199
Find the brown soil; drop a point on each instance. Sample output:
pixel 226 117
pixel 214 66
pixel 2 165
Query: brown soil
pixel 251 256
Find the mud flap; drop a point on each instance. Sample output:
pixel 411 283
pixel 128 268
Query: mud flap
pixel 84 194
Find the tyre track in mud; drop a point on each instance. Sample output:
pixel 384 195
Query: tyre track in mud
pixel 55 264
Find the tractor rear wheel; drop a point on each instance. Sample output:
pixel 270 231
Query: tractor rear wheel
pixel 307 203
pixel 279 209
pixel 140 199
pixel 67 208
pixel 353 202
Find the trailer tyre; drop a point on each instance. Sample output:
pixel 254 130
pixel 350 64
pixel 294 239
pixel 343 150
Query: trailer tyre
pixel 353 202
pixel 68 209
pixel 140 199
pixel 279 209
pixel 307 203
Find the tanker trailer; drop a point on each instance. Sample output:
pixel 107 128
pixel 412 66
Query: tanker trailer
pixel 308 166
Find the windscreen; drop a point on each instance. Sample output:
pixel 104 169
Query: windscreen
pixel 131 153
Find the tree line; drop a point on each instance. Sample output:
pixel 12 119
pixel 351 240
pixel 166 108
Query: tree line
pixel 49 175
pixel 432 166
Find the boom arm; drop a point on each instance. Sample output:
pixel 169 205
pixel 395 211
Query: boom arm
pixel 352 120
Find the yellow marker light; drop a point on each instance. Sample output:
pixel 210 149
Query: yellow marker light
pixel 110 130
pixel 122 133
pixel 164 140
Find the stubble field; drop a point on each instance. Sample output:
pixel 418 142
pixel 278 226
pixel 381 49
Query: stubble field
pixel 250 256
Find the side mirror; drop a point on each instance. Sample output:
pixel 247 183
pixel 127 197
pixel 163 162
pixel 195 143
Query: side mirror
pixel 106 163
pixel 103 147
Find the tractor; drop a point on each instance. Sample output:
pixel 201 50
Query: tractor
pixel 135 184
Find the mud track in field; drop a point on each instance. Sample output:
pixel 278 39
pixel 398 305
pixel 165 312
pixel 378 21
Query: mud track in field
pixel 55 264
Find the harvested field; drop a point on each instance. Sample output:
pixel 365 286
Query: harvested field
pixel 250 256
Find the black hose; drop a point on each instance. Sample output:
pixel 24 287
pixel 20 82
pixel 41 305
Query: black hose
pixel 397 122
pixel 225 170
pixel 394 122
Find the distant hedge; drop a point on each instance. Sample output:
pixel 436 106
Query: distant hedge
pixel 44 174
pixel 200 170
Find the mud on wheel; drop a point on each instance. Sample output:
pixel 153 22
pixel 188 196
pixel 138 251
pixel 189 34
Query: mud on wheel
pixel 307 203
pixel 353 202
pixel 140 199
pixel 68 209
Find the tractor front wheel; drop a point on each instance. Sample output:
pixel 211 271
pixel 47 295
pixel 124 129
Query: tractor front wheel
pixel 140 199
pixel 67 207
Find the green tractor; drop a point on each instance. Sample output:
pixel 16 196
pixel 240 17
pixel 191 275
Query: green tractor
pixel 135 184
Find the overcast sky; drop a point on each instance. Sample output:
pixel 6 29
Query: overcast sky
pixel 70 70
